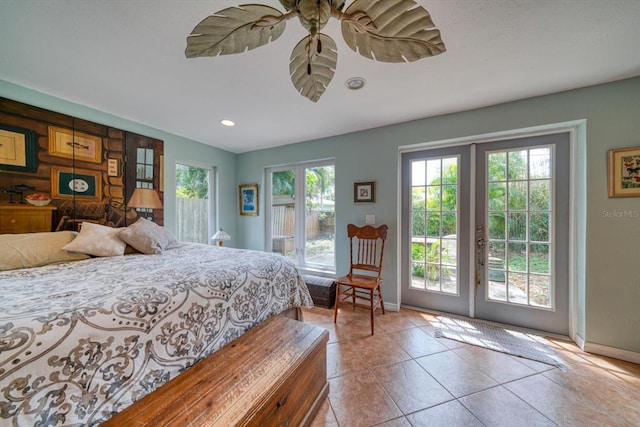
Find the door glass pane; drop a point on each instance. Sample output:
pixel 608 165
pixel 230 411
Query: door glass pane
pixel 496 226
pixel 539 227
pixel 539 195
pixel 418 224
pixel 497 166
pixel 192 204
pixel 540 163
pixel 283 212
pixel 433 225
pixel 498 191
pixel 434 214
pixel 517 196
pixel 419 199
pixel 434 198
pixel 517 165
pixel 517 226
pixel 320 216
pixel 539 258
pixel 519 249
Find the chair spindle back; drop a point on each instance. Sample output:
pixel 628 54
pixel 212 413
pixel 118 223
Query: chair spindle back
pixel 367 247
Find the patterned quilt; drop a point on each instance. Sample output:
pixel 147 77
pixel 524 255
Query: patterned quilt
pixel 81 341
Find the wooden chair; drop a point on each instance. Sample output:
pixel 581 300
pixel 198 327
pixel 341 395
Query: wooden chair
pixel 365 274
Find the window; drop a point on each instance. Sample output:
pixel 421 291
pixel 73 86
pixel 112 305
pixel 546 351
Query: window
pixel 301 218
pixel 434 224
pixel 194 203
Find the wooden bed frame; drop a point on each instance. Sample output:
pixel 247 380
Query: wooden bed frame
pixel 273 375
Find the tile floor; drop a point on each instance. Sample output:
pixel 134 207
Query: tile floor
pixel 404 376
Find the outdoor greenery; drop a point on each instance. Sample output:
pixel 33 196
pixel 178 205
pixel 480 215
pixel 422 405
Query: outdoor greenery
pixel 434 205
pixel 192 182
pixel 432 257
pixel 319 183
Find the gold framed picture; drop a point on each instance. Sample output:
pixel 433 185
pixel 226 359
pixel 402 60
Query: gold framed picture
pixel 624 172
pixel 81 184
pixel 76 145
pixel 17 149
pixel 248 197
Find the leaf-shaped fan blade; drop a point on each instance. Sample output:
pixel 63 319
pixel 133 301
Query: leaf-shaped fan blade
pixel 233 30
pixel 400 31
pixel 311 67
pixel 288 4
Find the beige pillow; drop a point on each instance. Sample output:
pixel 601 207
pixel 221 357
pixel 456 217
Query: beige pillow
pixel 35 249
pixel 147 237
pixel 97 240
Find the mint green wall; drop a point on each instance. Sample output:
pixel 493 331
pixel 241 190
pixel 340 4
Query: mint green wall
pixel 176 149
pixel 608 255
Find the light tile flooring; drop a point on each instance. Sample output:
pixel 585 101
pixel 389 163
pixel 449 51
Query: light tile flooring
pixel 404 376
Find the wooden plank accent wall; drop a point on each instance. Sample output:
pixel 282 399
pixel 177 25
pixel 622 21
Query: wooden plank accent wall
pixel 115 143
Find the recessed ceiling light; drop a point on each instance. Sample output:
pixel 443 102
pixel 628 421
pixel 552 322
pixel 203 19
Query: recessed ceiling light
pixel 227 122
pixel 355 83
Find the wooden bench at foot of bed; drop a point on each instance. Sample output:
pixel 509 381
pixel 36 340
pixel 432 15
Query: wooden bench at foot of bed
pixel 275 374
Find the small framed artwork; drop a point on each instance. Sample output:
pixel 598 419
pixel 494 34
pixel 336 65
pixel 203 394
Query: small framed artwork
pixel 248 196
pixel 17 149
pixel 624 172
pixel 76 145
pixel 112 167
pixel 364 192
pixel 81 184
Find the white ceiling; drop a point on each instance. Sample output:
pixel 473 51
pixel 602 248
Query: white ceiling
pixel 126 58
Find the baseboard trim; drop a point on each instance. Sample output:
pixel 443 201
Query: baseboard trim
pixel 579 341
pixel 391 307
pixel 616 353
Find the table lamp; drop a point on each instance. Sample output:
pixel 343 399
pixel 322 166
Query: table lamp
pixel 221 236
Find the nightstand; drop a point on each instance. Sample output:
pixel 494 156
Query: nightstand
pixel 18 218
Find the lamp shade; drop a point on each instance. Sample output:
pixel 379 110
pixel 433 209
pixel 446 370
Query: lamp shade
pixel 146 198
pixel 220 236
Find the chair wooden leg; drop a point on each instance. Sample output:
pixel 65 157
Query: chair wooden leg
pixel 371 294
pixel 335 309
pixel 381 300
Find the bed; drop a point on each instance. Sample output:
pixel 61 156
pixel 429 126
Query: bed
pixel 82 340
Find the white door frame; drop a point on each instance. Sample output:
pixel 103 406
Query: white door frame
pixel 577 149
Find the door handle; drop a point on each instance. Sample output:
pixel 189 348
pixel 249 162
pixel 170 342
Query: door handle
pixel 481 244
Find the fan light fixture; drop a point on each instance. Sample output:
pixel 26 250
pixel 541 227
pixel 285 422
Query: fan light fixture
pixel 227 122
pixel 384 30
pixel 355 83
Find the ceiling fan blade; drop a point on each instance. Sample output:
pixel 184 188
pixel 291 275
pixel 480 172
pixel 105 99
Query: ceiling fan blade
pixel 288 4
pixel 391 30
pixel 313 64
pixel 234 30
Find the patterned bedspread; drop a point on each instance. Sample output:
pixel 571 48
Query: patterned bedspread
pixel 80 341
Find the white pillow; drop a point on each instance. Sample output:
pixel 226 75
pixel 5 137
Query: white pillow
pixel 147 237
pixel 97 240
pixel 35 249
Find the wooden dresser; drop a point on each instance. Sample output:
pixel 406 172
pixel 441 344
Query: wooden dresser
pixel 18 218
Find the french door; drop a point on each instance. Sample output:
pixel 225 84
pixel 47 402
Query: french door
pixel 492 244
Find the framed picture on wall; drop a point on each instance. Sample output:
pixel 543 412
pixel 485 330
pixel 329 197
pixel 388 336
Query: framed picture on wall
pixel 72 144
pixel 248 197
pixel 624 172
pixel 17 149
pixel 81 184
pixel 364 192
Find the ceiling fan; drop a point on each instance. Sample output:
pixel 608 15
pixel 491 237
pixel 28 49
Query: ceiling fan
pixel 384 30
